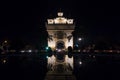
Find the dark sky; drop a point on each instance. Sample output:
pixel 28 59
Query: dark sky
pixel 26 19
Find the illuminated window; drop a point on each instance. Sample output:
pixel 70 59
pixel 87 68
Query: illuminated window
pixel 60 13
pixel 70 21
pixel 50 21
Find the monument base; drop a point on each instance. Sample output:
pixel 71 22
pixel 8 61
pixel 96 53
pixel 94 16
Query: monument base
pixel 56 75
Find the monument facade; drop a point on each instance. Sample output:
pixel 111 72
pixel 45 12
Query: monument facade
pixel 60 32
pixel 60 37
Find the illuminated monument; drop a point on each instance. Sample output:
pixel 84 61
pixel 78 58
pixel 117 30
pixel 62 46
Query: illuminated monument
pixel 59 39
pixel 59 30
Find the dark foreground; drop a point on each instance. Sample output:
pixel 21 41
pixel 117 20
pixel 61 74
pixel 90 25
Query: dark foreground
pixel 33 67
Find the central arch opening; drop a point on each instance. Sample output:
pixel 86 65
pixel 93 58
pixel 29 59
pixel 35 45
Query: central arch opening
pixel 60 45
pixel 60 55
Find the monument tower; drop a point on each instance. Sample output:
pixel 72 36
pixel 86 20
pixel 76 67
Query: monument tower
pixel 59 39
pixel 60 32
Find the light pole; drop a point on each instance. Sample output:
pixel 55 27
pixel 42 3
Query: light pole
pixel 79 42
pixel 5 45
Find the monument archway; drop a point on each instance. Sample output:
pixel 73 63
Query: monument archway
pixel 59 39
pixel 60 45
pixel 60 29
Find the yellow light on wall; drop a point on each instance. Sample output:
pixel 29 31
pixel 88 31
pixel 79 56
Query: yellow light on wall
pixel 50 21
pixel 51 44
pixel 60 20
pixel 60 13
pixel 70 21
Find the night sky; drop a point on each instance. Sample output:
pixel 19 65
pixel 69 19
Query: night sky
pixel 26 19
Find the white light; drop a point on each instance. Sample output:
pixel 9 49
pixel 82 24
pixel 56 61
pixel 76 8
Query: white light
pixel 70 21
pixel 47 48
pixel 47 57
pixel 29 50
pixel 51 43
pixel 69 43
pixel 22 51
pixel 50 21
pixel 60 20
pixel 59 50
pixel 76 45
pixel 4 61
pixel 79 39
pixel 60 13
pixel 5 41
pixel 80 62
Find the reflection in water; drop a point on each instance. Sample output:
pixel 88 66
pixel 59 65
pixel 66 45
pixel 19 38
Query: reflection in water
pixel 4 61
pixel 52 62
pixel 34 67
pixel 69 61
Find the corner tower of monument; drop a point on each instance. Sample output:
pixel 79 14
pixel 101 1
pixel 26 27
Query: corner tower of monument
pixel 60 32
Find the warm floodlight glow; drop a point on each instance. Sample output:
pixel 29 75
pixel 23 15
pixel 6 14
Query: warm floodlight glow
pixel 60 13
pixel 60 20
pixel 51 44
pixel 60 38
pixel 50 21
pixel 70 21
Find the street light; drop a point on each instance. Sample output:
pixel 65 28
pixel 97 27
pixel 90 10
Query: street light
pixel 80 62
pixel 5 41
pixel 80 42
pixel 79 39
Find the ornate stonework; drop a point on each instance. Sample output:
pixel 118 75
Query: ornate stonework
pixel 60 37
pixel 59 30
